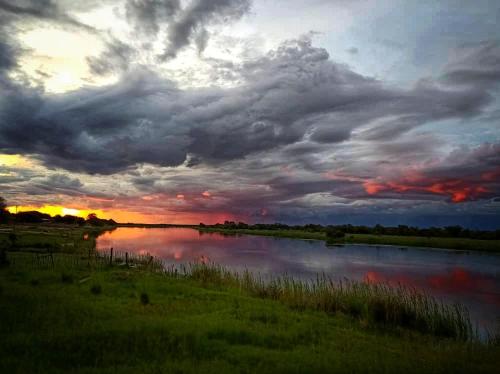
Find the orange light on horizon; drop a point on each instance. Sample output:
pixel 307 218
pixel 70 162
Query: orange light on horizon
pixel 70 212
pixel 54 210
pixel 129 216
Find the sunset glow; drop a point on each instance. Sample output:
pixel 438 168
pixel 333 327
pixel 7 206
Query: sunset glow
pixel 234 110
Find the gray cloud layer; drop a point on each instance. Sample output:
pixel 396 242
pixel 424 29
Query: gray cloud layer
pixel 299 131
pixel 294 93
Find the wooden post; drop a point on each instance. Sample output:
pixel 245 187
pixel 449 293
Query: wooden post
pixel 126 258
pixel 111 257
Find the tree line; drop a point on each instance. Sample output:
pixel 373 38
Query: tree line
pixel 38 217
pixel 337 231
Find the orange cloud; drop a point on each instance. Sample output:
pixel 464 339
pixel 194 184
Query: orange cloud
pixel 457 190
pixel 373 188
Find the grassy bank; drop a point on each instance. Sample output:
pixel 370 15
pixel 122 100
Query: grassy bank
pixel 414 241
pixel 85 319
pixel 418 241
pixel 53 237
pixel 292 234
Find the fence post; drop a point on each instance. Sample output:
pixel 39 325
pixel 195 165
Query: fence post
pixel 126 258
pixel 111 257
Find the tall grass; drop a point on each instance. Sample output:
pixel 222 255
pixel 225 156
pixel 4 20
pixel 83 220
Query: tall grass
pixel 378 304
pixel 93 260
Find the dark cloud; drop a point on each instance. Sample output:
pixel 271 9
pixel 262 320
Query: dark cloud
pixel 292 94
pixel 115 58
pixel 35 8
pixel 147 16
pixel 45 10
pixel 479 65
pixel 55 184
pixel 8 58
pixel 192 21
pixel 183 26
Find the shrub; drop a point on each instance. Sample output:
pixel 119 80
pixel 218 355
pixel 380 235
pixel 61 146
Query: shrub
pixel 144 298
pixel 333 233
pixel 3 257
pixel 66 278
pixel 96 289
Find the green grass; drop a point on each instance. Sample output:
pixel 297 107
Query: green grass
pixel 101 322
pixel 413 241
pixel 293 234
pixel 374 304
pixel 419 241
pixel 42 237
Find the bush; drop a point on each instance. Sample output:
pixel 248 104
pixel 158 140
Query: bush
pixel 3 257
pixel 334 233
pixel 13 239
pixel 144 298
pixel 66 278
pixel 96 289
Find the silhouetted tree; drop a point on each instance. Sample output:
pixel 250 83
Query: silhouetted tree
pixel 4 214
pixel 32 217
pixel 91 217
pixel 93 220
pixel 3 218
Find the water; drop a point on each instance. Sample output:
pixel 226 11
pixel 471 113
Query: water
pixel 471 278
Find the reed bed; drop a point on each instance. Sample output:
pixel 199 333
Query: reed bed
pixel 378 304
pixel 95 260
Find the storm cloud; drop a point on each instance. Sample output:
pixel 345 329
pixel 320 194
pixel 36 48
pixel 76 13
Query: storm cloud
pixel 292 128
pixel 295 92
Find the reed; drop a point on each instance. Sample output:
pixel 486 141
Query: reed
pixel 377 304
pixel 374 304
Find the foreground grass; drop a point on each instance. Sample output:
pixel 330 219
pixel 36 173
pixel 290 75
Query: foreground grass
pixel 75 319
pixel 413 241
pixel 373 304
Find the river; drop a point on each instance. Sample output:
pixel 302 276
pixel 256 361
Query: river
pixel 470 278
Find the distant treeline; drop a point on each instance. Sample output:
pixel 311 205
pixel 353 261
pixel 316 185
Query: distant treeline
pixel 340 230
pixel 37 217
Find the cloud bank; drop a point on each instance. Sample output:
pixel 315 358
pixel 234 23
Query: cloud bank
pixel 295 131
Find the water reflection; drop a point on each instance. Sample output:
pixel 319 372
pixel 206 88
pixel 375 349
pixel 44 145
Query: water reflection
pixel 470 278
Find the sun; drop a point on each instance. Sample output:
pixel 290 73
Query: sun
pixel 70 212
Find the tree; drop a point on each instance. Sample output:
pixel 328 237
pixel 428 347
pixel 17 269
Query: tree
pixel 91 217
pixel 4 213
pixel 334 233
pixel 3 218
pixel 93 220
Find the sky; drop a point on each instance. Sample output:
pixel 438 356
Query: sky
pixel 293 111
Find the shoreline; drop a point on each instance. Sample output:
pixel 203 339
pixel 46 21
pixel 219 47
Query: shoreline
pixel 457 244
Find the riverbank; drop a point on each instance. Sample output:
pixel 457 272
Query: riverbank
pixel 72 317
pixel 50 237
pixel 413 241
pixel 78 313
